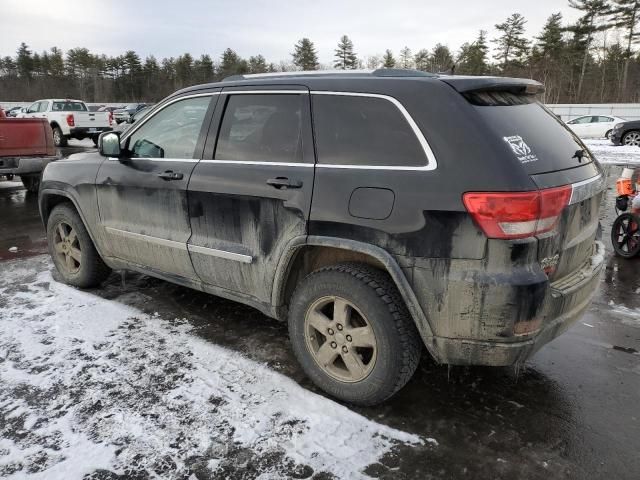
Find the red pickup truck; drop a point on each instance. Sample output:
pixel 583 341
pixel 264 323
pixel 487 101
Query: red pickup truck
pixel 26 146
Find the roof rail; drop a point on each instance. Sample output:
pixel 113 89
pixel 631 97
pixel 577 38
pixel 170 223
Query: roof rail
pixel 380 72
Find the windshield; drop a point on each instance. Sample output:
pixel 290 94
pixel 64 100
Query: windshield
pixel 69 107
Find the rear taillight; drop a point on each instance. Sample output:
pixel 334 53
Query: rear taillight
pixel 509 215
pixel 110 118
pixel 70 120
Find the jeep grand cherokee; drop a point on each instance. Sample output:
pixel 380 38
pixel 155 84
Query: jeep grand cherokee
pixel 377 212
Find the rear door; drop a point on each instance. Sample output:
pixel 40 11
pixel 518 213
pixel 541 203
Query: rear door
pixel 142 198
pixel 251 193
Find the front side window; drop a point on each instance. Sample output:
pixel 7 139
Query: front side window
pixel 581 120
pixel 366 131
pixel 172 132
pixel 34 107
pixel 261 127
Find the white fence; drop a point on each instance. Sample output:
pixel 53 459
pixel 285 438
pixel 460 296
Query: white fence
pixel 566 111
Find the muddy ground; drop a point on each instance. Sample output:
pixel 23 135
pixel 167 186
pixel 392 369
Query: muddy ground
pixel 570 412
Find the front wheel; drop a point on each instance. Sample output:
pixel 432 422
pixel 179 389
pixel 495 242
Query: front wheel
pixel 31 182
pixel 632 138
pixel 72 250
pixel 625 235
pixel 352 333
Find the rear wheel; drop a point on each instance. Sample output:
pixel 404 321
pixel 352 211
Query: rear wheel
pixel 608 134
pixel 59 139
pixel 95 140
pixel 632 138
pixel 352 334
pixel 625 235
pixel 31 182
pixel 72 250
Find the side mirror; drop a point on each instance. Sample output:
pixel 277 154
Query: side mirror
pixel 109 144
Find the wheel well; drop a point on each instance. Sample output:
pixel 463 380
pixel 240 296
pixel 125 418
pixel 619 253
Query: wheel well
pixel 49 201
pixel 312 257
pixel 54 124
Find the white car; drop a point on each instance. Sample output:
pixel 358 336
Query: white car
pixel 70 119
pixel 594 126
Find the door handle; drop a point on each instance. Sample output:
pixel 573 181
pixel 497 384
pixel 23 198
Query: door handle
pixel 171 175
pixel 284 182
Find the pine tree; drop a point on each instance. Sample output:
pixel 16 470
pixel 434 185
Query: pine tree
pixel 472 59
pixel 546 56
pixel 24 61
pixel 440 58
pixel 257 64
pixel 421 60
pixel 594 12
pixel 625 14
pixel 388 61
pixel 345 56
pixel 305 55
pixel 231 64
pixel 406 58
pixel 512 45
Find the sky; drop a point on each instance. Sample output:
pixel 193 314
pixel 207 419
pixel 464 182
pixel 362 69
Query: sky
pixel 170 28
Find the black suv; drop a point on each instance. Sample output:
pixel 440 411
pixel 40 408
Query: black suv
pixel 376 212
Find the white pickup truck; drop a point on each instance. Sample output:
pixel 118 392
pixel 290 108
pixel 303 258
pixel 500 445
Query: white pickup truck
pixel 70 119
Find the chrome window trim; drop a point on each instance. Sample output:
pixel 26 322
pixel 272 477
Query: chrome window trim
pixel 147 238
pixel 254 162
pixel 214 252
pixel 185 160
pixel 148 117
pixel 432 163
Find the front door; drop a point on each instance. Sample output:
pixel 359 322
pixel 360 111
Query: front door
pixel 251 193
pixel 142 198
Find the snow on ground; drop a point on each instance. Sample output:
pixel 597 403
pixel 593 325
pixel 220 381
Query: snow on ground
pixel 91 388
pixel 606 152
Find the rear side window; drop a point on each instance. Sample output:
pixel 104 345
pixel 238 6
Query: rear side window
pixel 535 137
pixel 264 128
pixel 69 107
pixel 364 131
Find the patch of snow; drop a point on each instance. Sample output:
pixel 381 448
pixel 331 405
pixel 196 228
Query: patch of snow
pixel 606 152
pixel 13 249
pixel 628 316
pixel 88 384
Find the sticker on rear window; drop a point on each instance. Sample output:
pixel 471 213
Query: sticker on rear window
pixel 521 149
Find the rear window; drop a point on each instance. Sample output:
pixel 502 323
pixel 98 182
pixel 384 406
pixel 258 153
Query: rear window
pixel 69 107
pixel 533 135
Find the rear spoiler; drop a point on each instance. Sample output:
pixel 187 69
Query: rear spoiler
pixel 520 86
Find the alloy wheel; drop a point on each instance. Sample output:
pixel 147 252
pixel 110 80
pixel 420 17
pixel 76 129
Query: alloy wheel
pixel 340 339
pixel 67 247
pixel 632 138
pixel 56 137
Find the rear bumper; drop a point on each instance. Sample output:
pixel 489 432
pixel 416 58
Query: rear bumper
pixel 84 132
pixel 24 166
pixel 561 304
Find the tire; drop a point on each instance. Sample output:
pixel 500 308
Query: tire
pixel 31 182
pixel 625 235
pixel 608 134
pixel 59 139
pixel 78 262
pixel 372 301
pixel 95 140
pixel 631 138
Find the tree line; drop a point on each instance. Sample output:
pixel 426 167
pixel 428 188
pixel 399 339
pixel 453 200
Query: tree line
pixel 593 60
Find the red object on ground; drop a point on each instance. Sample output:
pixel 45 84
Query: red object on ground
pixel 26 137
pixel 2 115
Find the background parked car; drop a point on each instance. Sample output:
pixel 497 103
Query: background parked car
pixel 626 133
pixel 121 127
pixel 594 126
pixel 123 114
pixel 109 109
pixel 14 111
